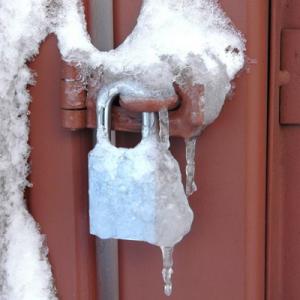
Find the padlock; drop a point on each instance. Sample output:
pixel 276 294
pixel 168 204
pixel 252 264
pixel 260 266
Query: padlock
pixel 137 193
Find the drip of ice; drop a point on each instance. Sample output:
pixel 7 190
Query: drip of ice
pixel 167 254
pixel 164 127
pixel 190 166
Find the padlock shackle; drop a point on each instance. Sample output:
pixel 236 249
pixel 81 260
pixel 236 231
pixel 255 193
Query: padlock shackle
pixel 105 100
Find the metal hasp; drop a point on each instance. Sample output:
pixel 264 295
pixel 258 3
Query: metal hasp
pixel 73 98
pixel 79 107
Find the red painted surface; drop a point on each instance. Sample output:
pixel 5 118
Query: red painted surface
pixel 290 62
pixel 283 268
pixel 223 257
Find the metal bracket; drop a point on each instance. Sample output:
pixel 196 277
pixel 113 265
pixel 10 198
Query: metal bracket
pixel 79 108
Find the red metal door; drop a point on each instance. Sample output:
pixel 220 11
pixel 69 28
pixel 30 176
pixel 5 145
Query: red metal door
pixel 224 256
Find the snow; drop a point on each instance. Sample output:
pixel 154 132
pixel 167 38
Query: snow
pixel 187 41
pixel 25 273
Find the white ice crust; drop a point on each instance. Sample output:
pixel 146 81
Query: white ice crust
pixel 183 41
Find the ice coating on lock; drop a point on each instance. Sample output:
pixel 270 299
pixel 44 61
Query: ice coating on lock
pixel 135 194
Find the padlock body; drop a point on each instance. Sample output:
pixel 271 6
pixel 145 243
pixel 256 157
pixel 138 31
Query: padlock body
pixel 137 194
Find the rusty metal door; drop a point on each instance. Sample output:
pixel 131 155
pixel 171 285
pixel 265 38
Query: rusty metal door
pixel 225 255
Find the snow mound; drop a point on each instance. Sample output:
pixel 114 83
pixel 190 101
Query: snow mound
pixel 25 273
pixel 187 41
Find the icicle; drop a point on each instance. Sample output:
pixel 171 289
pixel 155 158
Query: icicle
pixel 164 127
pixel 167 253
pixel 190 166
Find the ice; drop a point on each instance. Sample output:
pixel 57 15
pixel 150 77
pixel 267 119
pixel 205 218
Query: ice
pixel 167 272
pixel 190 166
pixel 164 127
pixel 190 151
pixel 136 193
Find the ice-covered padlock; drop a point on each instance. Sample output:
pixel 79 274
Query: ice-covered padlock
pixel 135 194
